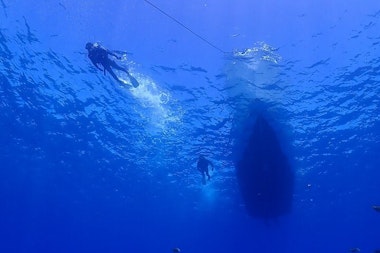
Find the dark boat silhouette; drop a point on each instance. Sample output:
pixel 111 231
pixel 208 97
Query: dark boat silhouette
pixel 264 173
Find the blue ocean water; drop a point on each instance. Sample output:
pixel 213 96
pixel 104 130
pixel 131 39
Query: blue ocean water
pixel 90 165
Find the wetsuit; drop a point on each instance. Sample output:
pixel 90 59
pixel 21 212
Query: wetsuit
pixel 99 55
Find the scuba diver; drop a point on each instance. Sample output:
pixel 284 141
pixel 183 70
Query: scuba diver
pixel 202 166
pixel 99 55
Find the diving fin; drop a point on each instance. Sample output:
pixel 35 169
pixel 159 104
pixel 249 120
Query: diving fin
pixel 134 81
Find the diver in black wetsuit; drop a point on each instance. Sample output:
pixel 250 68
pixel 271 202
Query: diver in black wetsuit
pixel 99 55
pixel 202 166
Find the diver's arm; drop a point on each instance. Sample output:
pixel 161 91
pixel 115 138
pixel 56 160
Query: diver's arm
pixel 211 164
pixel 113 54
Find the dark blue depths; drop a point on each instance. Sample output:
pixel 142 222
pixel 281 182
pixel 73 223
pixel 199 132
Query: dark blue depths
pixel 83 170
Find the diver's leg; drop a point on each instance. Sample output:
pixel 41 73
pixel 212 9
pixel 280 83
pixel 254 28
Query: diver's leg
pixel 134 82
pixel 116 66
pixel 108 68
pixel 203 178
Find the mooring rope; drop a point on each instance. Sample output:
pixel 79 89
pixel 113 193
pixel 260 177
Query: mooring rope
pixel 187 28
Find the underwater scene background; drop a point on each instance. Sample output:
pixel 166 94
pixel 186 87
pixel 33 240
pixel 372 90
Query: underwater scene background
pixel 281 96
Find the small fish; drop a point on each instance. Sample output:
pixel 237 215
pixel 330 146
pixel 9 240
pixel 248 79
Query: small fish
pixel 176 250
pixel 376 208
pixel 355 250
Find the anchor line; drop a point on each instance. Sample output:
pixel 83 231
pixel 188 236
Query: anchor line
pixel 184 26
